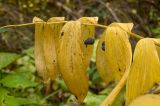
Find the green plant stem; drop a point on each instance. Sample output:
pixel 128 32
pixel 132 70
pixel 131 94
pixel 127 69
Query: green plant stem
pixel 28 24
pixel 48 96
pixel 18 25
pixel 103 26
pixel 97 25
pixel 112 96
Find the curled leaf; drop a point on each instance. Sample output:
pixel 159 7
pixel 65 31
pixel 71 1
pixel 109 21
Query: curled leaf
pixel 101 63
pixel 117 50
pixel 145 70
pixel 118 58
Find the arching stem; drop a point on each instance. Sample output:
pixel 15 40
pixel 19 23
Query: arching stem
pixel 97 25
pixel 112 96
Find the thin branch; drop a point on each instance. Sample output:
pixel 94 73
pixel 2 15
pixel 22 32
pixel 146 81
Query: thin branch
pixel 67 9
pixel 97 25
pixel 103 26
pixel 110 10
pixel 28 24
pixel 18 25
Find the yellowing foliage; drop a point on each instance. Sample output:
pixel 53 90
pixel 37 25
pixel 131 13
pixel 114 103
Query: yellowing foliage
pixel 38 48
pixel 116 56
pixel 117 50
pixel 101 63
pixel 145 70
pixel 146 100
pixel 71 62
pixel 68 49
pixel 51 44
pixel 46 45
pixel 88 32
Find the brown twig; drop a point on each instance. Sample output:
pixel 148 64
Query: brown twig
pixel 107 5
pixel 67 9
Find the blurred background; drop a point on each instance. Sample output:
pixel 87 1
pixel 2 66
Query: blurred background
pixel 18 78
pixel 145 14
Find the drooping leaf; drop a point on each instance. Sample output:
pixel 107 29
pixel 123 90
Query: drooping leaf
pixel 117 50
pixel 51 45
pixel 71 60
pixel 38 48
pixel 46 46
pixel 146 100
pixel 7 58
pixel 114 53
pixel 145 70
pixel 87 38
pixel 101 63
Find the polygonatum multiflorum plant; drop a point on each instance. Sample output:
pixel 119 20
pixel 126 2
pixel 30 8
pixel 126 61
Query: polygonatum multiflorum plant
pixel 64 49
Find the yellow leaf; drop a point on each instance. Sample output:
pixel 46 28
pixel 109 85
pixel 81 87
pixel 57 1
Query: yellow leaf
pixel 101 63
pixel 50 45
pixel 117 50
pixel 157 43
pixel 38 50
pixel 87 36
pixel 71 60
pixel 123 26
pixel 145 70
pixel 146 100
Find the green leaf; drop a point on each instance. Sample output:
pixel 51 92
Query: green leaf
pixel 120 98
pixel 3 30
pixel 7 58
pixel 94 49
pixel 62 84
pixel 3 94
pixel 107 90
pixel 33 99
pixel 11 101
pixel 24 71
pixel 17 81
pixel 30 52
pixel 6 100
pixel 94 100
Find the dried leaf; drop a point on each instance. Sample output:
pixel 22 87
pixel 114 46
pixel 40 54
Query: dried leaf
pixel 50 45
pixel 71 60
pixel 38 51
pixel 145 70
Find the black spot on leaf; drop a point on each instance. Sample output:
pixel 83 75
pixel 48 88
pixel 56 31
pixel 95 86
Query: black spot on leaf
pixel 62 33
pixel 89 41
pixel 103 46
